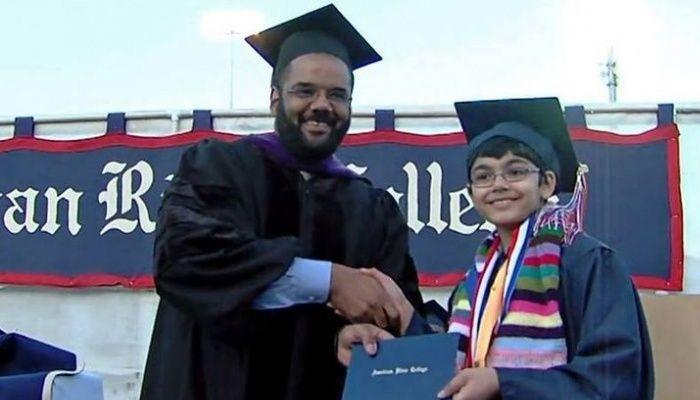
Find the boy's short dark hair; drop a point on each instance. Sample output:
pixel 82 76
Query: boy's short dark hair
pixel 498 146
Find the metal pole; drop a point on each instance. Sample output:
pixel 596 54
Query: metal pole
pixel 611 75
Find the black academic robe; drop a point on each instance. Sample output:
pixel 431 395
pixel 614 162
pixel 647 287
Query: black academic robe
pixel 609 350
pixel 230 224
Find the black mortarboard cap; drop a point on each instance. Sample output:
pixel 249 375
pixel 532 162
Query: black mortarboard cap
pixel 321 31
pixel 538 123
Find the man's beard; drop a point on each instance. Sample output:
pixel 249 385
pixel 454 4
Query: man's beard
pixel 294 141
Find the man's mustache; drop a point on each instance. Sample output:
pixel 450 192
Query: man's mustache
pixel 320 117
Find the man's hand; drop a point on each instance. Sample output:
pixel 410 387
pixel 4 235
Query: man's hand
pixel 361 298
pixel 472 384
pixel 395 295
pixel 366 334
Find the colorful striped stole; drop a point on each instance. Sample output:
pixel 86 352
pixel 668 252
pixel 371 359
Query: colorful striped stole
pixel 530 332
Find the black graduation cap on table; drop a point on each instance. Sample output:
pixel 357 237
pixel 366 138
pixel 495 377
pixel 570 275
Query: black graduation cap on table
pixel 537 122
pixel 321 31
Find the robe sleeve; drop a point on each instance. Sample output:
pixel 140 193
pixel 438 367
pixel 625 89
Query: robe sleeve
pixel 394 257
pixel 209 261
pixel 609 350
pixel 418 326
pixel 435 318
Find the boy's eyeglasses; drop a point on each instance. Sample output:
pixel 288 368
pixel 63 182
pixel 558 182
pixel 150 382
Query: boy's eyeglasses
pixel 486 178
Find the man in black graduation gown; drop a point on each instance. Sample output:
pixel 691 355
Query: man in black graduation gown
pixel 258 241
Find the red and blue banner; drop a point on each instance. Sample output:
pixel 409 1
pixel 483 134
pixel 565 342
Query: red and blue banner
pixel 82 212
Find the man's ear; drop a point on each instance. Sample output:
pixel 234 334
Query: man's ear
pixel 274 99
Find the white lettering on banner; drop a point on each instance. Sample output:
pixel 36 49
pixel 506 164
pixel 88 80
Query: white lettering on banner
pixel 10 219
pixel 73 199
pixel 435 221
pixel 120 197
pixel 357 169
pixel 168 178
pixel 412 206
pixel 110 197
pixel 456 212
pixel 396 195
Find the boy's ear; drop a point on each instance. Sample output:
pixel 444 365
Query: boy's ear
pixel 548 185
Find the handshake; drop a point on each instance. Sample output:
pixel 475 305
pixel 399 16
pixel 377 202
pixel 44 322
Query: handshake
pixel 369 296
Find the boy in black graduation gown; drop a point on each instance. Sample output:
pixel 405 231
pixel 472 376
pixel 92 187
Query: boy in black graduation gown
pixel 546 311
pixel 255 237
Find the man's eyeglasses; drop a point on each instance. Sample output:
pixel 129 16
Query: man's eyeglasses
pixel 484 178
pixel 309 93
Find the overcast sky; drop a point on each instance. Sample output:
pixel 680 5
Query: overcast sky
pixel 83 57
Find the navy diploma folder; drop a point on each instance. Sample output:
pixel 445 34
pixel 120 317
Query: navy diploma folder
pixel 409 368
